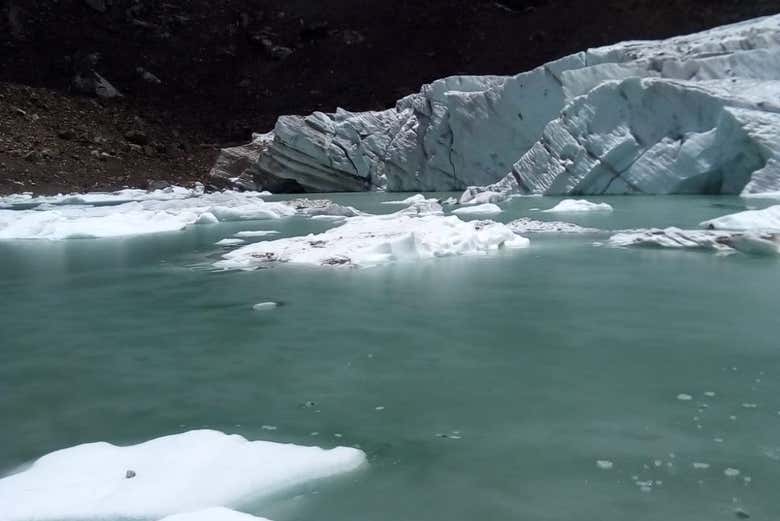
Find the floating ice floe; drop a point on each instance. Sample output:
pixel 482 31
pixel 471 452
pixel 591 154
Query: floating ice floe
pixel 101 198
pixel 155 214
pixel 720 241
pixel 169 475
pixel 265 306
pixel 415 199
pixel 767 219
pixel 230 242
pixel 526 225
pixel 213 514
pixel 256 233
pixel 138 217
pixel 483 197
pixel 481 209
pixel 604 464
pixel 322 208
pixel 578 206
pixel 419 232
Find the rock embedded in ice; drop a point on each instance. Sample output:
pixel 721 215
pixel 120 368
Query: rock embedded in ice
pixel 767 219
pixel 482 209
pixel 213 514
pixel 691 114
pixel 578 206
pixel 526 225
pixel 179 473
pixel 413 233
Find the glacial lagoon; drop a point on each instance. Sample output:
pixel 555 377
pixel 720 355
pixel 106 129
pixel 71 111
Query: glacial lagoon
pixel 566 380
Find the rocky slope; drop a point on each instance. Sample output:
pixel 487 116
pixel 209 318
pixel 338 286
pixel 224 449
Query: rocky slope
pixel 215 70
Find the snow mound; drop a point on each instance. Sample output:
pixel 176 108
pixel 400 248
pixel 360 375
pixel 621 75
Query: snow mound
pixel 179 473
pixel 137 217
pixel 525 225
pixel 481 209
pixel 767 219
pixel 213 514
pixel 413 233
pixel 578 206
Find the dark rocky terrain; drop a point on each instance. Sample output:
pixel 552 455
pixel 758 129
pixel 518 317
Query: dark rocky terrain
pixel 100 94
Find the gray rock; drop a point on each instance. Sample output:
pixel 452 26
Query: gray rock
pixel 129 474
pixel 137 137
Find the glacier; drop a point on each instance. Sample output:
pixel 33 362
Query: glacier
pixel 690 114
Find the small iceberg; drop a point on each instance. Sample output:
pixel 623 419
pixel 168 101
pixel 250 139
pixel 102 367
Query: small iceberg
pixel 751 243
pixel 526 225
pixel 180 473
pixel 229 242
pixel 578 206
pixel 265 306
pixel 213 514
pixel 415 199
pixel 137 217
pixel 417 232
pixel 481 209
pixel 487 196
pixel 766 219
pixel 256 233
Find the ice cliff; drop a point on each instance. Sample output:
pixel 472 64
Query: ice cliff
pixel 692 114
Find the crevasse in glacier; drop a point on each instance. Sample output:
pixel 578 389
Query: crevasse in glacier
pixel 692 114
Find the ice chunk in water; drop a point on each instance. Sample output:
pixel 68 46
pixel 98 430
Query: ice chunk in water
pixel 178 473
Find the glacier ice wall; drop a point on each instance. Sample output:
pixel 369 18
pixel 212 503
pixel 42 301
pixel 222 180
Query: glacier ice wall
pixel 690 114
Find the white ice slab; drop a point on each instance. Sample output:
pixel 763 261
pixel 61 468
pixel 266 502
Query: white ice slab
pixel 179 473
pixel 578 206
pixel 256 233
pixel 480 209
pixel 419 198
pixel 214 514
pixel 379 239
pixel 138 217
pixel 229 242
pixel 526 225
pixel 767 219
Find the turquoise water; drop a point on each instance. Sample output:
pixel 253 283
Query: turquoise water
pixel 534 364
